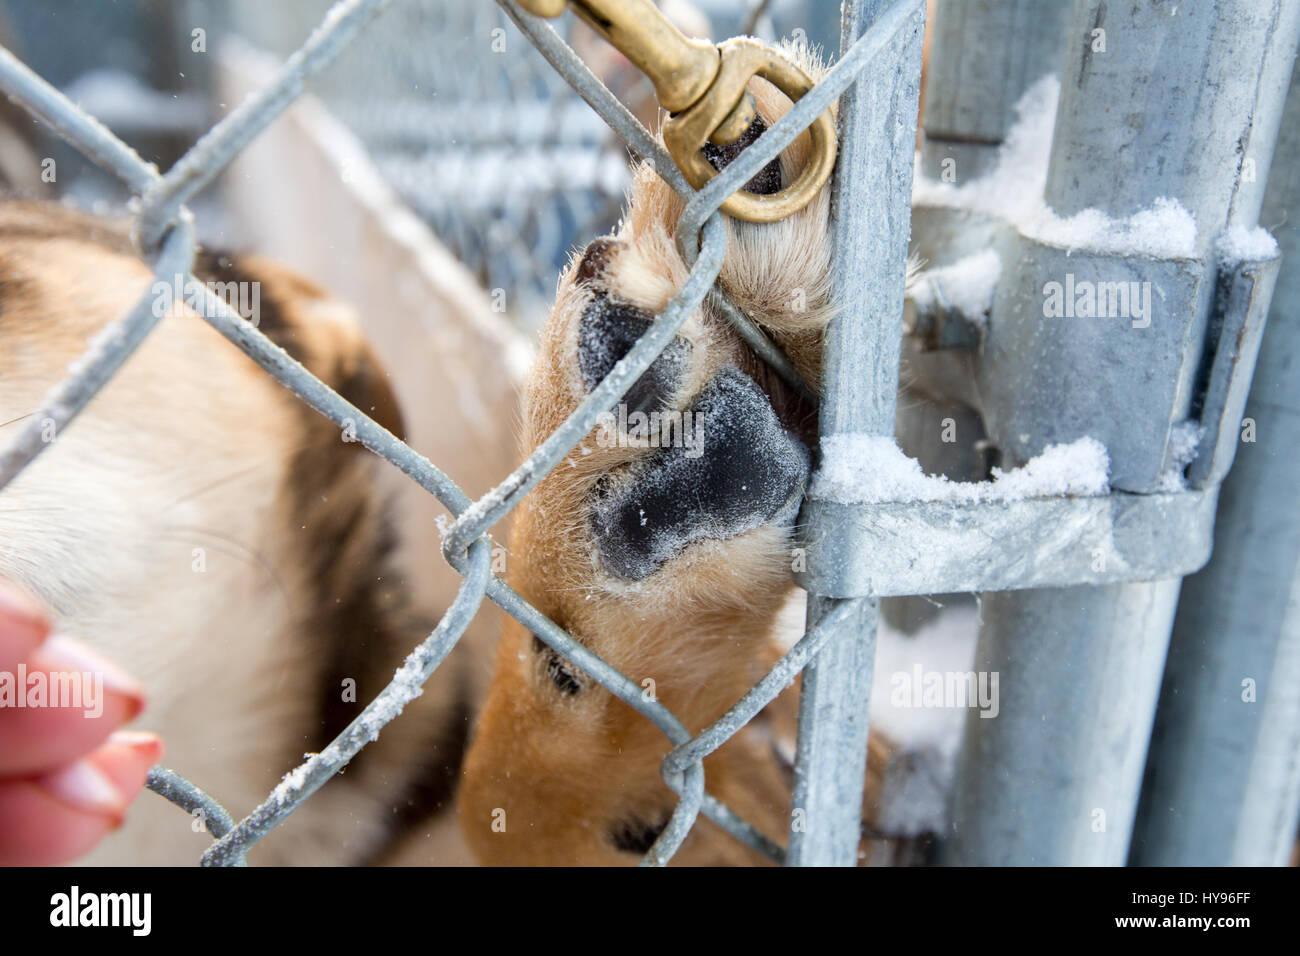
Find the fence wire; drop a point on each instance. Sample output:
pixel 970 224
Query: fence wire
pixel 164 234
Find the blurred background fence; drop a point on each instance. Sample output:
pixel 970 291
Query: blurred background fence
pixel 460 115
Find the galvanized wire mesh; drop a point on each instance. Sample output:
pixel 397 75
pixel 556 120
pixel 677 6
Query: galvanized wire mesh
pixel 484 141
pixel 165 236
pixel 481 138
pixel 476 133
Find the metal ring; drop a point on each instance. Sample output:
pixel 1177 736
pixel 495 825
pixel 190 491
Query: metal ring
pixel 686 133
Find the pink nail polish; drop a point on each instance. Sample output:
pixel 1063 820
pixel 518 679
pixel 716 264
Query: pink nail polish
pixel 63 653
pixel 146 744
pixel 84 787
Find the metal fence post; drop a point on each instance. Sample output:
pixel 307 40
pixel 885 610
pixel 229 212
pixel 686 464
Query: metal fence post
pixel 870 205
pixel 1223 776
pixel 1055 778
pixel 982 58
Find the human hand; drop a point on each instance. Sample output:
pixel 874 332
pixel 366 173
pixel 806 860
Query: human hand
pixel 67 774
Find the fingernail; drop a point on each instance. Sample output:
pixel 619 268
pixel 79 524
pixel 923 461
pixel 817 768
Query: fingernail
pixel 21 610
pixel 148 745
pixel 84 787
pixel 63 653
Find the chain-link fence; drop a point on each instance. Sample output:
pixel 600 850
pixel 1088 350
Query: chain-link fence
pixel 1038 548
pixel 482 138
pixel 165 234
pixel 475 131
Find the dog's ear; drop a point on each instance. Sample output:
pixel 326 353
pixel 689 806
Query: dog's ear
pixel 312 326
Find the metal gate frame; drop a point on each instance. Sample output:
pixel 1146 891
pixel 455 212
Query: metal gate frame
pixel 852 563
pixel 1183 103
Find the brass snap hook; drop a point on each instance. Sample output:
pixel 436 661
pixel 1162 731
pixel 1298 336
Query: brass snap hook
pixel 686 132
pixel 704 90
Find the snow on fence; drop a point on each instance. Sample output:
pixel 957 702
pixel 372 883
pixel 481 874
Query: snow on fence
pixel 1139 165
pixel 1081 511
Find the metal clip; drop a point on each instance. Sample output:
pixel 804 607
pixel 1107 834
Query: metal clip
pixel 704 90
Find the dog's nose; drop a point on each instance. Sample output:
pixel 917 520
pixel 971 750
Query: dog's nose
pixel 607 332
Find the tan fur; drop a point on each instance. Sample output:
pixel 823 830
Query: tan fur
pixel 191 456
pixel 569 769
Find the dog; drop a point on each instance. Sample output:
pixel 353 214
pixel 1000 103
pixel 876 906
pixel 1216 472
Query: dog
pixel 231 548
pixel 671 562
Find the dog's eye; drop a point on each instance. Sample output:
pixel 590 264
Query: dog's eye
pixel 556 670
pixel 636 835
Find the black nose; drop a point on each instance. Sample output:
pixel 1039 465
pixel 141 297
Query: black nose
pixel 607 332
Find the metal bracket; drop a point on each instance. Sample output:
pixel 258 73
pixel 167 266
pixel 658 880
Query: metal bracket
pixel 1245 291
pixel 1153 374
pixel 902 548
pixel 1143 340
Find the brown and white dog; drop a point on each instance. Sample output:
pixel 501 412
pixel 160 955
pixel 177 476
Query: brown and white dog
pixel 227 545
